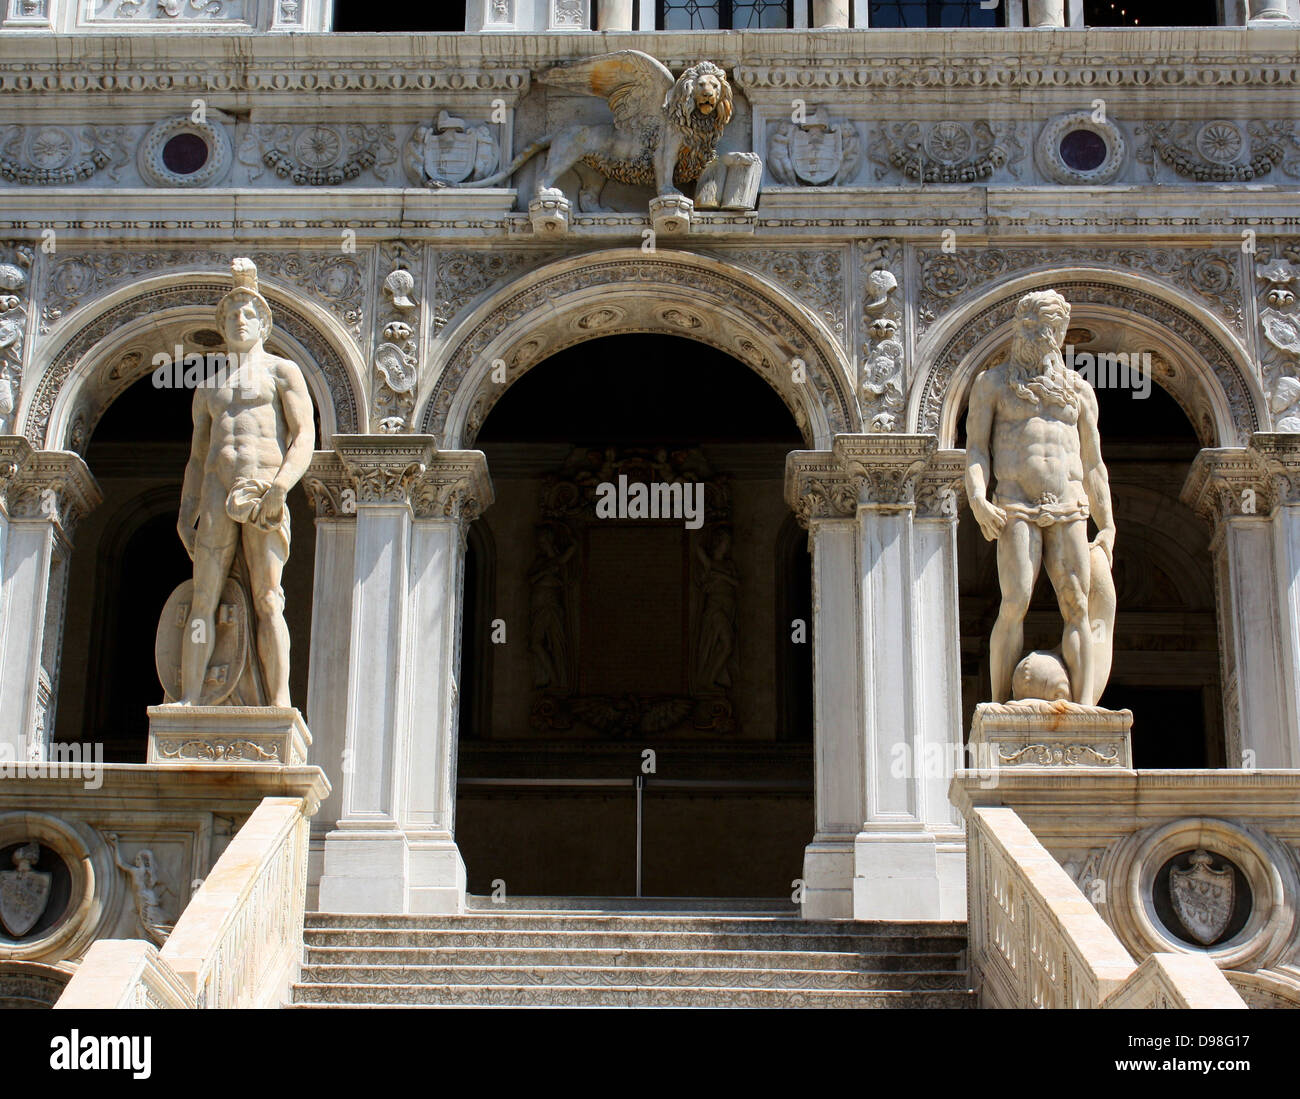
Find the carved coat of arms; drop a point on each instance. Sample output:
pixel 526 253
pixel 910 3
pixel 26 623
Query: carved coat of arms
pixel 1203 897
pixel 450 152
pixel 815 152
pixel 24 892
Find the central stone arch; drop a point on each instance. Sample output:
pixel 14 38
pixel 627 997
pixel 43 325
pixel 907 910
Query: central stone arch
pixel 630 291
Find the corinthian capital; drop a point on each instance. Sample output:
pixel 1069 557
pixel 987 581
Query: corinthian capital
pixel 384 468
pixel 454 485
pixel 877 472
pixel 53 485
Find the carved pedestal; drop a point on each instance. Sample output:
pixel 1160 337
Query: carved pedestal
pixel 671 214
pixel 549 214
pixel 1033 733
pixel 222 735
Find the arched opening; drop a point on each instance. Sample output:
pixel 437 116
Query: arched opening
pixel 127 559
pixel 1166 665
pixel 609 634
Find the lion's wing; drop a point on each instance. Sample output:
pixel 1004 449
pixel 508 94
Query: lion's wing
pixel 634 83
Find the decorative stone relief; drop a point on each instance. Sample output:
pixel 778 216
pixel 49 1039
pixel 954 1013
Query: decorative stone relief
pixel 454 485
pixel 882 372
pixel 397 357
pixel 813 275
pixel 460 277
pixel 818 151
pixel 337 280
pixel 451 151
pixel 950 151
pixel 158 165
pixel 1084 867
pixel 384 471
pixel 15 293
pixel 997 315
pixel 1277 277
pixel 1210 273
pixel 46 155
pixel 873 471
pixel 147 889
pixel 1220 150
pixel 74 349
pixel 568 15
pixel 182 11
pixel 318 155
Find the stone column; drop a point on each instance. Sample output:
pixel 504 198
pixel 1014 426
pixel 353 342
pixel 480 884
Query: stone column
pixel 614 15
pixel 1251 496
pixel 886 698
pixel 45 493
pixel 367 856
pixel 333 494
pixel 453 492
pixel 1269 11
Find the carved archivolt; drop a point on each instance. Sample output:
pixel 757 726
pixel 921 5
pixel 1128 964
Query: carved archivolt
pixel 630 291
pixel 1217 387
pixel 74 361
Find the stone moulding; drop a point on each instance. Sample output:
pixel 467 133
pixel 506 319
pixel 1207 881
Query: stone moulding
pixel 197 735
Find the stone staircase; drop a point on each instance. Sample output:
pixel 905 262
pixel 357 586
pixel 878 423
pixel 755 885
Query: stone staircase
pixel 610 955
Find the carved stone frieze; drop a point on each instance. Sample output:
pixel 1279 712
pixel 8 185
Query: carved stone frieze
pixel 815 150
pixel 1210 273
pixel 948 151
pixel 813 275
pixel 1220 150
pixel 397 350
pixel 1227 372
pixel 180 11
pixel 318 154
pixel 57 156
pixel 460 276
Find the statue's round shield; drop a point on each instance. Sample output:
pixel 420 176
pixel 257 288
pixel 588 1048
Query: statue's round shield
pixel 229 652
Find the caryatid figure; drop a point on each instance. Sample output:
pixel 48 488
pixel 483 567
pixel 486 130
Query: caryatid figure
pixel 1032 424
pixel 253 439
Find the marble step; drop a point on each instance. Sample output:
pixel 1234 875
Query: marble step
pixel 869 962
pixel 438 976
pixel 641 921
pixel 506 939
pixel 390 995
pixel 727 906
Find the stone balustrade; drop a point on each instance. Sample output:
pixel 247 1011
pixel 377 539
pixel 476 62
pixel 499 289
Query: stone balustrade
pixel 1036 941
pixel 238 942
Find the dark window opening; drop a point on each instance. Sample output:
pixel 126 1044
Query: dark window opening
pixel 354 16
pixel 727 15
pixel 1142 13
pixel 933 13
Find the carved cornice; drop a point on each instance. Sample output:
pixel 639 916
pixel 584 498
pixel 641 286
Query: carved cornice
pixel 878 472
pixel 54 485
pixel 454 485
pixel 384 468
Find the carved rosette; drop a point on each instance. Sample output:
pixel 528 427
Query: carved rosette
pixel 56 486
pixel 877 472
pixel 454 485
pixel 384 468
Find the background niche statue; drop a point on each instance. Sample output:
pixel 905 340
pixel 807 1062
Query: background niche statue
pixel 253 439
pixel 1032 424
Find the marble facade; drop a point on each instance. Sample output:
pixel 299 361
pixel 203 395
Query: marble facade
pixel 908 199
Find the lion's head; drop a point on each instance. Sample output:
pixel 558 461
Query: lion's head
pixel 701 93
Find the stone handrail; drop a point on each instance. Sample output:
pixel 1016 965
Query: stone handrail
pixel 1036 941
pixel 239 941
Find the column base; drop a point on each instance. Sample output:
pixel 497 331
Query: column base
pixel 365 871
pixel 227 734
pixel 909 876
pixel 828 879
pixel 437 882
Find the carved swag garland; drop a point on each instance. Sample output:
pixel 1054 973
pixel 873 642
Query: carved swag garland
pixel 568 504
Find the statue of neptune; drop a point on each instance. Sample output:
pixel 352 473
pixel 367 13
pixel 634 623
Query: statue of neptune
pixel 253 439
pixel 1033 424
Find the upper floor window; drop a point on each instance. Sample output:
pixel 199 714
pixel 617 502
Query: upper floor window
pixel 365 15
pixel 933 13
pixel 726 15
pixel 1143 13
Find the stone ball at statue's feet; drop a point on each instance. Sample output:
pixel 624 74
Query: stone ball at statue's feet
pixel 1041 674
